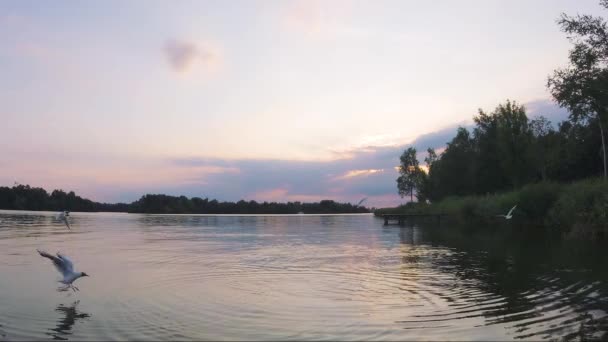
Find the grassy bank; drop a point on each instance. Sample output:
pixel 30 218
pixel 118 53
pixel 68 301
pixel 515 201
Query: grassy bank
pixel 579 208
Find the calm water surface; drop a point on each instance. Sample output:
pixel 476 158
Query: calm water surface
pixel 293 277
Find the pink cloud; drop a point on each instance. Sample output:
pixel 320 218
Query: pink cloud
pixel 281 194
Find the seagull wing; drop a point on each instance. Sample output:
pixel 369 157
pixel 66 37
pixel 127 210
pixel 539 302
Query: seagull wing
pixel 511 211
pixel 59 263
pixel 69 265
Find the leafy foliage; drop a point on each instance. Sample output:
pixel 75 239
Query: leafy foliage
pixel 507 151
pixel 411 175
pixel 582 204
pixel 582 87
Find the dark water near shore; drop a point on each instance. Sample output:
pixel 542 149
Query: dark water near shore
pixel 340 277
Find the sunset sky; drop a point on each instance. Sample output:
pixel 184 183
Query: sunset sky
pixel 263 100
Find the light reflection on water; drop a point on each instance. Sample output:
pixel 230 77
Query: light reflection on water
pixel 292 277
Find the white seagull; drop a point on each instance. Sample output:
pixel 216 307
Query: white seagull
pixel 509 214
pixel 65 266
pixel 63 216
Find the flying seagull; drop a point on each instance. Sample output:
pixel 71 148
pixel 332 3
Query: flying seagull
pixel 65 266
pixel 63 216
pixel 509 214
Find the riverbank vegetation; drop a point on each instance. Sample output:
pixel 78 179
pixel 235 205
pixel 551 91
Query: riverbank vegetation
pixel 556 174
pixel 24 197
pixel 579 207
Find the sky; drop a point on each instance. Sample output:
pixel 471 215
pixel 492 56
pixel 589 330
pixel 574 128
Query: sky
pixel 258 100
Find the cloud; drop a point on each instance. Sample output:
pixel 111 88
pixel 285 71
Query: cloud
pixel 183 56
pixel 368 171
pixel 548 109
pixel 358 173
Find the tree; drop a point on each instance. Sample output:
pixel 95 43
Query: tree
pixel 514 139
pixel 488 173
pixel 427 188
pixel 411 175
pixel 452 173
pixel 501 140
pixel 542 132
pixel 582 87
pixel 431 158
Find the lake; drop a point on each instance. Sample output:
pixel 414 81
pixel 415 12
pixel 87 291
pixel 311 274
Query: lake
pixel 345 277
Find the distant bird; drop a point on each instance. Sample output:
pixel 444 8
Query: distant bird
pixel 63 216
pixel 65 266
pixel 509 214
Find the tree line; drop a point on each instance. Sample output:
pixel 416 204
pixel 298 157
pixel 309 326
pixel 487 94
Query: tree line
pixel 24 197
pixel 197 205
pixel 506 150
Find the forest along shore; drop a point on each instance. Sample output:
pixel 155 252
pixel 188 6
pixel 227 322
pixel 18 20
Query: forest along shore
pixel 579 209
pixel 24 197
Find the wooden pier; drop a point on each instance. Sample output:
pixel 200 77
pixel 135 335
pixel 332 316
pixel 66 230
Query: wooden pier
pixel 400 218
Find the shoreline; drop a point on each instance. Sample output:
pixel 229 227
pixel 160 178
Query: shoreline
pixel 577 209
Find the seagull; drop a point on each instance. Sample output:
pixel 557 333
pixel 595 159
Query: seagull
pixel 509 214
pixel 63 216
pixel 65 266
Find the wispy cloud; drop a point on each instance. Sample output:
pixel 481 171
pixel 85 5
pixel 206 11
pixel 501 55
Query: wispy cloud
pixel 358 173
pixel 368 170
pixel 184 56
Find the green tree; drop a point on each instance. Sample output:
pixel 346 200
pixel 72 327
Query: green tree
pixel 514 138
pixel 411 175
pixel 501 140
pixel 427 188
pixel 454 169
pixel 542 142
pixel 488 173
pixel 582 87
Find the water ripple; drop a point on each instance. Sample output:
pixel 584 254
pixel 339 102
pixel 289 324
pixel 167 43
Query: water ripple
pixel 332 277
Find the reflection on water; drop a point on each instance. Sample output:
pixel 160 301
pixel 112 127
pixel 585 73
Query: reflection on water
pixel 69 316
pixel 539 289
pixel 296 277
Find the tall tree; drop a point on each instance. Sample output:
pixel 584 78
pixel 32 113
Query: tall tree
pixel 452 173
pixel 542 132
pixel 514 139
pixel 428 189
pixel 582 87
pixel 411 176
pixel 489 175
